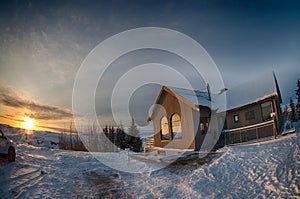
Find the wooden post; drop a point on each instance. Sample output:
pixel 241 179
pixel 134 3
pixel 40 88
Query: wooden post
pixel 256 134
pixel 274 116
pixel 240 136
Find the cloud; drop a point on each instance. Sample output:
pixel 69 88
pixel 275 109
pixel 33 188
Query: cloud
pixel 56 129
pixel 10 117
pixel 9 97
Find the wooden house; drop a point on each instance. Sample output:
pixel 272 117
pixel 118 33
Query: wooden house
pixel 253 110
pixel 181 117
pixel 176 117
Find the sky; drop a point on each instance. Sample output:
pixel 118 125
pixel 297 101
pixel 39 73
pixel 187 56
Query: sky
pixel 43 44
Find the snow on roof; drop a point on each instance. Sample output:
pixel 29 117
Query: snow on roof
pixel 196 97
pixel 252 91
pixel 243 94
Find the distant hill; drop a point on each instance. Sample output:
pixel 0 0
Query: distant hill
pixel 37 138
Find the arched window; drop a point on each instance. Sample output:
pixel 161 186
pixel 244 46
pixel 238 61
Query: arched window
pixel 176 127
pixel 165 135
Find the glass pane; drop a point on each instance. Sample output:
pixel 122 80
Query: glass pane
pixel 266 110
pixel 236 118
pixel 164 129
pixel 176 127
pixel 250 115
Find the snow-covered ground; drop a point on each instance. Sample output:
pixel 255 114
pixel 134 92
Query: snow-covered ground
pixel 36 138
pixel 260 170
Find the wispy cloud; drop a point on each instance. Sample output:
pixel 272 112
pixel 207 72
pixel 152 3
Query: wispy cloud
pixel 10 97
pixel 9 117
pixel 56 129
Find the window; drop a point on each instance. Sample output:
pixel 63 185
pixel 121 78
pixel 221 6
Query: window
pixel 164 129
pixel 176 127
pixel 250 115
pixel 204 124
pixel 236 118
pixel 266 110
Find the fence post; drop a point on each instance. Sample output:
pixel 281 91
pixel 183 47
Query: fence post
pixel 256 134
pixel 240 136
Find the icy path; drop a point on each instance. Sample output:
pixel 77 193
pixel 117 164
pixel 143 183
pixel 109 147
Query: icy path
pixel 265 170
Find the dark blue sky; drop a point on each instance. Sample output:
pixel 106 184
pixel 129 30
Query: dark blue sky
pixel 44 42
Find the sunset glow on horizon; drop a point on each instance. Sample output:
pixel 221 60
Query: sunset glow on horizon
pixel 28 123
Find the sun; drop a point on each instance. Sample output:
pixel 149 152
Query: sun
pixel 28 123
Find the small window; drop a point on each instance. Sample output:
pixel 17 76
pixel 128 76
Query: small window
pixel 201 126
pixel 250 115
pixel 266 110
pixel 176 127
pixel 204 124
pixel 165 135
pixel 236 118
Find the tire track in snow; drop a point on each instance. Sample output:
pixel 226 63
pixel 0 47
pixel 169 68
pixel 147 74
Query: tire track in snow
pixel 21 183
pixel 21 189
pixel 19 175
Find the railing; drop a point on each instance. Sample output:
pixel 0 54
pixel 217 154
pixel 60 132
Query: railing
pixel 248 133
pixel 149 145
pixel 150 142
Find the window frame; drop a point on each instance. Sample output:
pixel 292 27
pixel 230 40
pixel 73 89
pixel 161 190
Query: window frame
pixel 204 125
pixel 174 137
pixel 268 118
pixel 161 129
pixel 236 121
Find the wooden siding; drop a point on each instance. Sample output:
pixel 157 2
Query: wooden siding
pixel 171 106
pixel 241 112
pixel 247 134
pixel 192 137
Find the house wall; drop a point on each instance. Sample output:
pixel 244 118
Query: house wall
pixel 241 112
pixel 236 136
pixel 172 105
pixel 192 137
pixel 258 114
